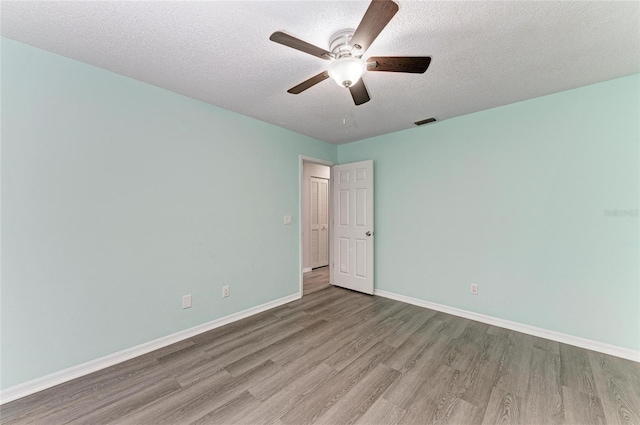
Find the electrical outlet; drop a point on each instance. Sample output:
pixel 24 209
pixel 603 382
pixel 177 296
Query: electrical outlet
pixel 186 301
pixel 225 291
pixel 474 288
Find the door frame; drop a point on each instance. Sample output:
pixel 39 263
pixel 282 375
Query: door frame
pixel 312 160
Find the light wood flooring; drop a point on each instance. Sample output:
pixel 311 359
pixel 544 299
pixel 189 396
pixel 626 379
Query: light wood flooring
pixel 340 357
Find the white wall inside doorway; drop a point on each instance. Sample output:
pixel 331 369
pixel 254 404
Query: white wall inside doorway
pixel 309 170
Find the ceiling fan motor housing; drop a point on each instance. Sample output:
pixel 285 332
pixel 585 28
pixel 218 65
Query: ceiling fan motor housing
pixel 340 43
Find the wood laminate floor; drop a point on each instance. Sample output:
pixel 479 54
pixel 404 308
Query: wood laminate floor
pixel 340 357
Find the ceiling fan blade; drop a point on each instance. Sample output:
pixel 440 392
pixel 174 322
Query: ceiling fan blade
pixel 412 64
pixel 374 20
pixel 359 93
pixel 303 46
pixel 309 83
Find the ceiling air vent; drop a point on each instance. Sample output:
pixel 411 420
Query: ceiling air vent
pixel 427 121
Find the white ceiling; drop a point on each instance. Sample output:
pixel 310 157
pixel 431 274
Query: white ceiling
pixel 484 54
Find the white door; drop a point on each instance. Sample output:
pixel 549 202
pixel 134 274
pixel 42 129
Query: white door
pixel 319 222
pixel 353 226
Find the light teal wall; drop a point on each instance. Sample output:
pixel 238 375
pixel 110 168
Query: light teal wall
pixel 514 199
pixel 118 198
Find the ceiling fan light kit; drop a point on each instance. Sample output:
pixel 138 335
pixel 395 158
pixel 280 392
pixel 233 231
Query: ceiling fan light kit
pixel 347 70
pixel 348 46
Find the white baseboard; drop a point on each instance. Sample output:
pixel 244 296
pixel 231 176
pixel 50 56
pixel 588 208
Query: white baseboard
pixel 577 341
pixel 306 270
pixel 48 381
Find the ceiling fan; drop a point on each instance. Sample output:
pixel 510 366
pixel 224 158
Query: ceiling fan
pixel 348 46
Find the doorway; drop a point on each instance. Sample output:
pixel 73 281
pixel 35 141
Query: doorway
pixel 351 219
pixel 315 214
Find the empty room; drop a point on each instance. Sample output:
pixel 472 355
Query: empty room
pixel 320 212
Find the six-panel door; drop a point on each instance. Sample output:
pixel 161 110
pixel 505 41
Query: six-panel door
pixel 353 226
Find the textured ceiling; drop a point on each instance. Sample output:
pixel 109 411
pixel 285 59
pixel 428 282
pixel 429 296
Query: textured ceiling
pixel 484 54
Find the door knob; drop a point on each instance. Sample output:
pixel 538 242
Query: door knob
pixel 368 233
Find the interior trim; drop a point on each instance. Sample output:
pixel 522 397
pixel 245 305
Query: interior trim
pixel 57 378
pixel 577 341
